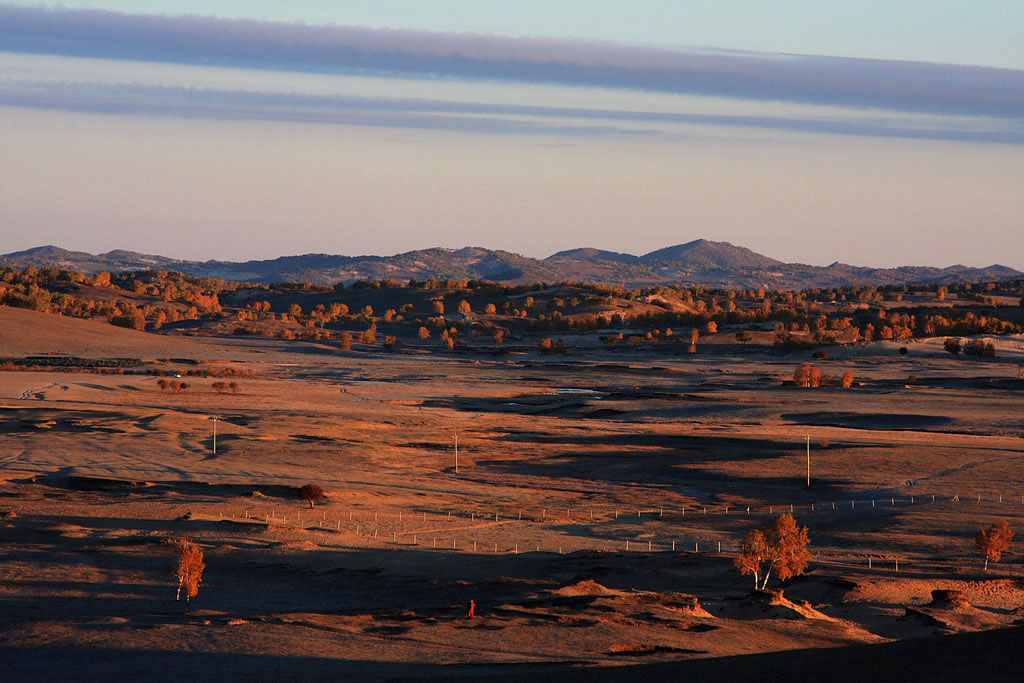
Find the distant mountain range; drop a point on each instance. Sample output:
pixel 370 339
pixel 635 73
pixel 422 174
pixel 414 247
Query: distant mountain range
pixel 701 262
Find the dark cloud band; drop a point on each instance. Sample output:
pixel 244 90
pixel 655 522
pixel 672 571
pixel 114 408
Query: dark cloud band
pixel 865 83
pixel 479 117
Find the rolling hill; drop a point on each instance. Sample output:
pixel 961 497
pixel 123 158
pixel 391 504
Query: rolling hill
pixel 699 262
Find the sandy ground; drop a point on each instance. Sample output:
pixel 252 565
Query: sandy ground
pixel 592 493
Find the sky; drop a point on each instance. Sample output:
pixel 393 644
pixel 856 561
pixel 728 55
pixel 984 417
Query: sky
pixel 872 133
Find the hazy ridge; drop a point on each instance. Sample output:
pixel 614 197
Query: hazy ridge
pixel 700 262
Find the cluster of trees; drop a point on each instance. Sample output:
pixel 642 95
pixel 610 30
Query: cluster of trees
pixel 150 300
pixel 972 347
pixel 173 385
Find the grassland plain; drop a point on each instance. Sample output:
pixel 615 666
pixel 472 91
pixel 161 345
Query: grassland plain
pixel 593 517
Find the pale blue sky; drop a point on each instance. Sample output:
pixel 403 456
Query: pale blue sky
pixel 214 138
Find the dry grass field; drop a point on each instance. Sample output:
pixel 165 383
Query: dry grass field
pixel 594 515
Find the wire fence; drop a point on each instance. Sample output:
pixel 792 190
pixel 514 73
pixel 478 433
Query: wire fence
pixel 513 531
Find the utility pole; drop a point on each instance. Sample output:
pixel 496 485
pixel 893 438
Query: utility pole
pixel 808 461
pixel 456 452
pixel 214 419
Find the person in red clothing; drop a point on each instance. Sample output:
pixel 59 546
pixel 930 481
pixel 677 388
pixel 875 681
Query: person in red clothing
pixel 472 608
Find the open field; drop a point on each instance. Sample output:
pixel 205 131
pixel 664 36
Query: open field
pixel 597 507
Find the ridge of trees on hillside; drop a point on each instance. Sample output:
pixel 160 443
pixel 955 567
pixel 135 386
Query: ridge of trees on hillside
pixel 468 309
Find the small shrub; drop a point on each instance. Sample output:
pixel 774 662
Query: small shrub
pixel 311 493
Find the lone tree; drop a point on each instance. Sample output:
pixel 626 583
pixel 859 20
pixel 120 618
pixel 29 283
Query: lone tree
pixel 994 541
pixel 311 493
pixel 780 546
pixel 188 568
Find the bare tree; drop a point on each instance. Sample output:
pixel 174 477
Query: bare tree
pixel 188 568
pixel 311 493
pixel 994 541
pixel 780 547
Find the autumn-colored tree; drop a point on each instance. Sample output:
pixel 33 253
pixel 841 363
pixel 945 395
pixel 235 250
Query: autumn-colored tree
pixel 465 308
pixel 311 493
pixel 694 335
pixel 424 333
pixel 780 547
pixel 392 342
pixel 499 337
pixel 994 541
pixel 295 310
pixel 546 345
pixel 345 340
pixel 449 343
pixel 369 335
pixel 437 307
pixel 807 376
pixel 188 568
pixel 162 383
pixel 490 309
pixel 712 327
pixel 847 380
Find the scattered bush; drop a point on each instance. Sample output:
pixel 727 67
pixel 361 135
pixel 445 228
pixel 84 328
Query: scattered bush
pixel 311 493
pixel 952 345
pixel 977 347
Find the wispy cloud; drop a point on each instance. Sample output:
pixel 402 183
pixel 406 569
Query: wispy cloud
pixel 434 114
pixel 862 83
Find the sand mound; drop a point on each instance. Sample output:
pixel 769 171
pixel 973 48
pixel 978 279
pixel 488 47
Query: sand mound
pixel 950 610
pixel 70 530
pixel 949 599
pixel 686 604
pixel 585 587
pixel 771 604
